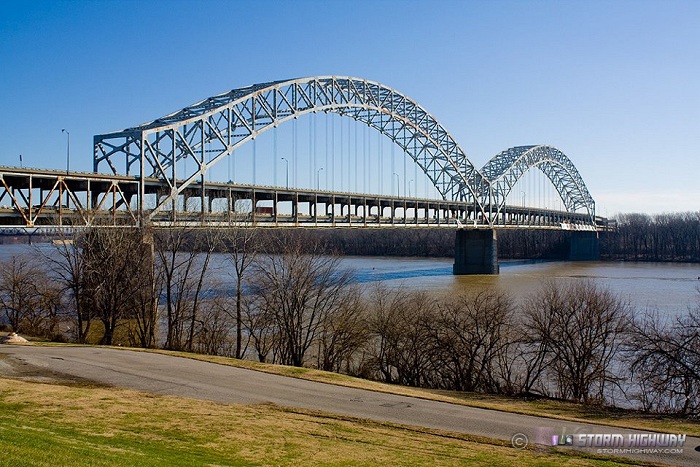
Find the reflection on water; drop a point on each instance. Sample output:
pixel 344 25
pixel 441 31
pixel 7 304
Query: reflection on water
pixel 396 269
pixel 669 288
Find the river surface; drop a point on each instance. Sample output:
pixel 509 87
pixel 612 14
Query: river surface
pixel 669 288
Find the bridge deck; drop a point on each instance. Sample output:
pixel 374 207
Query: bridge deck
pixel 35 198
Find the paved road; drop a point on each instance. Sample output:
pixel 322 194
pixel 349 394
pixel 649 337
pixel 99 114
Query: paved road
pixel 165 374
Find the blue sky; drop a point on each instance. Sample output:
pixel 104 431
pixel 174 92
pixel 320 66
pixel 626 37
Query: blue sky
pixel 613 84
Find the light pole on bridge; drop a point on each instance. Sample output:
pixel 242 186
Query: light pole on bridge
pixel 409 187
pixel 398 185
pixel 63 130
pixel 287 161
pixel 318 179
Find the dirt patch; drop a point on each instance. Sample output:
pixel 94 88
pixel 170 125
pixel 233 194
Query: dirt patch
pixel 14 368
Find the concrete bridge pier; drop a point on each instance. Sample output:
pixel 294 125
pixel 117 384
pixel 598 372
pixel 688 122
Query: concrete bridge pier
pixel 476 252
pixel 584 246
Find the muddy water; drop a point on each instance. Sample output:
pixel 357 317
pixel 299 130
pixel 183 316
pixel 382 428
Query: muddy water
pixel 667 287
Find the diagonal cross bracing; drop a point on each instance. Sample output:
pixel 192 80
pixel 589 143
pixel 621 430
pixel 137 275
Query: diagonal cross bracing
pixel 506 168
pixel 213 128
pixel 235 117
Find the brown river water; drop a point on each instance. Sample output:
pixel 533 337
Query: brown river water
pixel 669 288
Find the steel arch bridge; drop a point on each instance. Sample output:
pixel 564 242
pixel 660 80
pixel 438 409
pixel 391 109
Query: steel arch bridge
pixel 506 168
pixel 213 128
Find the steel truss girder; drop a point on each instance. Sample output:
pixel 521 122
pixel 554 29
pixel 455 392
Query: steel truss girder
pixel 506 168
pixel 50 198
pixel 211 129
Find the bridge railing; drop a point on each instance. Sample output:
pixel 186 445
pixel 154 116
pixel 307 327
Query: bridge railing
pixel 32 198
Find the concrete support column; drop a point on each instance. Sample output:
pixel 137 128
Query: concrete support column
pixel 476 252
pixel 295 207
pixel 584 246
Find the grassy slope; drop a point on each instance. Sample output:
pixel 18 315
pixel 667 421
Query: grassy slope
pixel 51 424
pixel 543 407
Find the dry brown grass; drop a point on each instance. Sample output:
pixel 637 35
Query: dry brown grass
pixel 125 427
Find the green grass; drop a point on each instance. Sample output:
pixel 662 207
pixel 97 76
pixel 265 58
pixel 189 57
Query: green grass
pixel 52 424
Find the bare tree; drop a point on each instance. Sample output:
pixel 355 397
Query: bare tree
pixel 400 322
pixel 118 265
pixel 524 361
pixel 343 332
pixel 581 327
pixel 213 335
pixel 298 287
pixel 69 270
pixel 665 362
pixel 384 315
pixel 470 335
pixel 174 264
pixel 241 244
pixel 260 325
pixel 206 245
pixel 52 306
pixel 145 316
pixel 183 261
pixel 29 298
pixel 661 237
pixel 18 291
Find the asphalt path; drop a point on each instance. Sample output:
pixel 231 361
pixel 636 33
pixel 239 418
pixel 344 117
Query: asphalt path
pixel 164 374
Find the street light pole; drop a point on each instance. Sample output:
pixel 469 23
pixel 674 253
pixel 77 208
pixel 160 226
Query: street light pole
pixel 409 187
pixel 318 179
pixel 287 161
pixel 63 130
pixel 398 185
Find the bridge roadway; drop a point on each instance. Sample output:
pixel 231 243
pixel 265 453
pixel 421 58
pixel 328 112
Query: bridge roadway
pixel 164 374
pixel 36 198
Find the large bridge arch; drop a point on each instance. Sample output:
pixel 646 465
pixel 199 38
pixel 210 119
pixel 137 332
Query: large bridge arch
pixel 507 167
pixel 211 129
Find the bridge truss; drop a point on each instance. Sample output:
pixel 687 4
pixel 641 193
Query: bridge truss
pixel 506 168
pixel 211 129
pixel 144 160
pixel 49 200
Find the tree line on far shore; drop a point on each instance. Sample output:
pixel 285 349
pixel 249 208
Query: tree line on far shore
pixel 639 237
pixel 280 298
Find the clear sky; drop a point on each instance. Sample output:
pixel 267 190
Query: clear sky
pixel 615 85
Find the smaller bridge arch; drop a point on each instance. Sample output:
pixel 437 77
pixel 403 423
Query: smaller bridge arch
pixel 507 167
